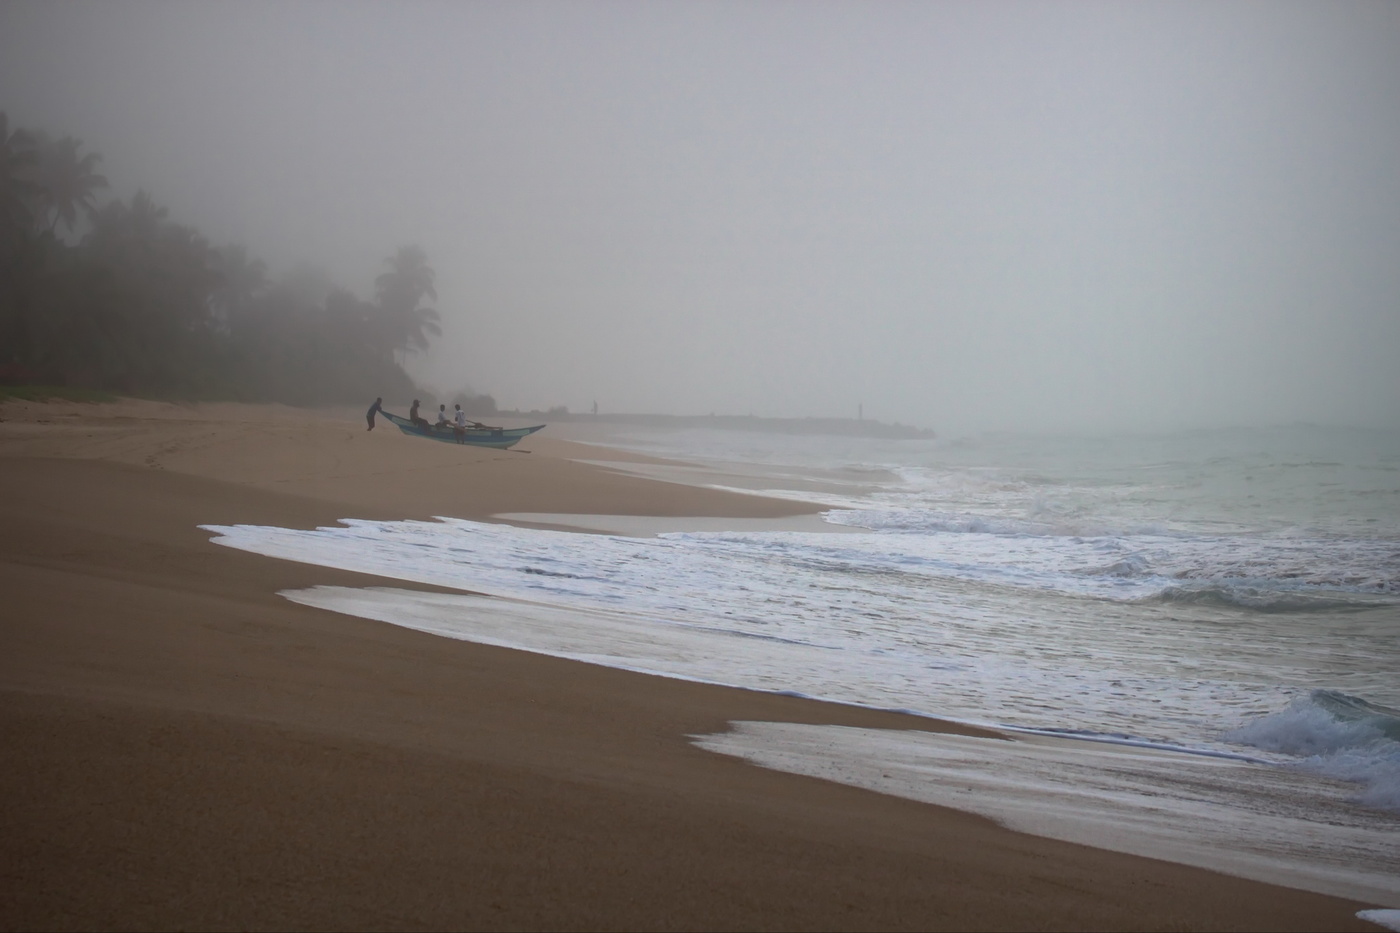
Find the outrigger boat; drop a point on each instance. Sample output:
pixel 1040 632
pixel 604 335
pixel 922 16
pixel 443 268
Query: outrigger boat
pixel 479 436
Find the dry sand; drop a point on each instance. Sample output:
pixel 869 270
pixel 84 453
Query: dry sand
pixel 186 749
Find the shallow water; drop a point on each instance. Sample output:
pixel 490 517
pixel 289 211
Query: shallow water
pixel 1226 593
pixel 1242 818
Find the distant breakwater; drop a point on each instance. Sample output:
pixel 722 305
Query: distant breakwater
pixel 859 427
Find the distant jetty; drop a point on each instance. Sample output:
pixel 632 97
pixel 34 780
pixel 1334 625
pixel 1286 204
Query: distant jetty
pixel 853 427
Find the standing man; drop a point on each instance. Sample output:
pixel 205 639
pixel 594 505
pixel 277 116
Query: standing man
pixel 369 415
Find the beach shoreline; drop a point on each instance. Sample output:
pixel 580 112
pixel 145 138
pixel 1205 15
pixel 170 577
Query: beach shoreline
pixel 201 752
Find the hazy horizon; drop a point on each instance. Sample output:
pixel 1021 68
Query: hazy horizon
pixel 962 216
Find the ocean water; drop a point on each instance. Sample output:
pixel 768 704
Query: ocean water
pixel 1207 623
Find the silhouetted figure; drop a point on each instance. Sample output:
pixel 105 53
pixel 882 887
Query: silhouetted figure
pixel 413 415
pixel 369 415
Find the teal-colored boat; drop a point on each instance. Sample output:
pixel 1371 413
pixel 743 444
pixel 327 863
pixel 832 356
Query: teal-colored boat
pixel 478 436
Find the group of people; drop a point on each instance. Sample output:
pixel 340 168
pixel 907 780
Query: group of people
pixel 458 421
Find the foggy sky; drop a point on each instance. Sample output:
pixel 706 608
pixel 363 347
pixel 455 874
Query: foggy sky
pixel 960 215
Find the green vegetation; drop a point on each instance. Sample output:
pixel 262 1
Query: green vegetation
pixel 141 305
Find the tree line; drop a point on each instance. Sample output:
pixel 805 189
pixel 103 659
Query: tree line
pixel 118 296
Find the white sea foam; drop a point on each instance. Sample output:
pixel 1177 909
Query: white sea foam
pixel 1131 596
pixel 1242 819
pixel 1263 571
pixel 848 618
pixel 1258 822
pixel 889 621
pixel 1390 919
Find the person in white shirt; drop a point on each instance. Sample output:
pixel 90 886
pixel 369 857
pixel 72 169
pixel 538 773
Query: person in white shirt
pixel 442 416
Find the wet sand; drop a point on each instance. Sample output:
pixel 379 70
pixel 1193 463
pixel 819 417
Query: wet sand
pixel 188 749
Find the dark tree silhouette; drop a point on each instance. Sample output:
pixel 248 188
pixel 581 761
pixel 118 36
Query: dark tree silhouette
pixel 19 184
pixel 399 291
pixel 69 182
pixel 240 287
pixel 143 304
pixel 156 278
pixel 21 256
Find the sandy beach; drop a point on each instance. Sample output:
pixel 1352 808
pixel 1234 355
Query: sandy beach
pixel 190 750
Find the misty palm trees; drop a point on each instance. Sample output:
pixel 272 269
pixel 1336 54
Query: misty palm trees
pixel 145 317
pixel 409 280
pixel 19 163
pixel 45 180
pixel 69 182
pixel 140 302
pixel 20 256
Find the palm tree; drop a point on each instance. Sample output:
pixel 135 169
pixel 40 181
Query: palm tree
pixel 162 277
pixel 409 275
pixel 118 223
pixel 409 280
pixel 145 218
pixel 69 181
pixel 19 163
pixel 21 258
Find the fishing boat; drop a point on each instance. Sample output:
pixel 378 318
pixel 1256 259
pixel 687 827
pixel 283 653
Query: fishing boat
pixel 479 436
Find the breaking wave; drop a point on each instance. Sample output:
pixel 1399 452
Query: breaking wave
pixel 1338 736
pixel 1263 598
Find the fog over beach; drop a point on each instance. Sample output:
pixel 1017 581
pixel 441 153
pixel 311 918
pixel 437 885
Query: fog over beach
pixel 961 216
pixel 938 465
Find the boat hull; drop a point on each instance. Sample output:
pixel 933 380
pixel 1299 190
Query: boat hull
pixel 499 438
